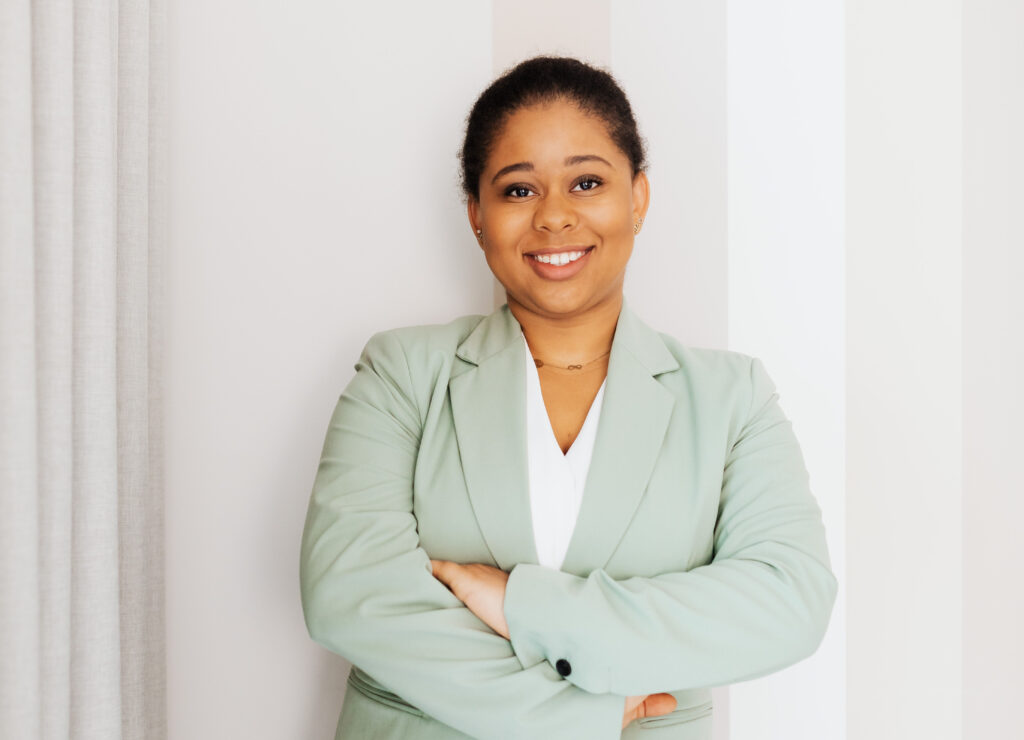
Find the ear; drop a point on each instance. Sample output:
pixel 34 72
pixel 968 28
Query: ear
pixel 473 212
pixel 641 196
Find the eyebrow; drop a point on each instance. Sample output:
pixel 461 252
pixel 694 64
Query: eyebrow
pixel 528 166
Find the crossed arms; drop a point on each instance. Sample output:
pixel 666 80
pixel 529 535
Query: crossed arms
pixel 368 591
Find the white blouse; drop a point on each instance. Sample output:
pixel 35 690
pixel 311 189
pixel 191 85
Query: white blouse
pixel 556 479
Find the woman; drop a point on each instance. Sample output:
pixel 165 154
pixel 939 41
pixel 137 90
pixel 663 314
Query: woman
pixel 554 521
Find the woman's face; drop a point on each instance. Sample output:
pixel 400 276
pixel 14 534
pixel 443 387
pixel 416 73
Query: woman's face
pixel 556 186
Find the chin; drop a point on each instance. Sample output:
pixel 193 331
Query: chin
pixel 561 306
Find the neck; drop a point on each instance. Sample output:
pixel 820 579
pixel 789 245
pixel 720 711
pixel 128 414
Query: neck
pixel 573 339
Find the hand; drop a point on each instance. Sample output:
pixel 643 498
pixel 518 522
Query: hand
pixel 480 587
pixel 652 705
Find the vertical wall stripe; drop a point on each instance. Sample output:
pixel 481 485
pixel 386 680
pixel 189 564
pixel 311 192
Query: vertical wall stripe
pixel 785 257
pixel 904 392
pixel 993 366
pixel 670 57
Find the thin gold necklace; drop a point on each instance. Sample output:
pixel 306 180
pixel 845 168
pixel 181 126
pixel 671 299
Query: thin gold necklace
pixel 541 363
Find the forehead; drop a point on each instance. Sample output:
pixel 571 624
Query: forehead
pixel 547 133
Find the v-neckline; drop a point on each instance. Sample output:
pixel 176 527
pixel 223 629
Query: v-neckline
pixel 588 422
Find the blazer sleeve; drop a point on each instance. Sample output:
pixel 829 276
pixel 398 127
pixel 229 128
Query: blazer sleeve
pixel 763 603
pixel 368 593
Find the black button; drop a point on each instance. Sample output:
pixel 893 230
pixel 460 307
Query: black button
pixel 563 667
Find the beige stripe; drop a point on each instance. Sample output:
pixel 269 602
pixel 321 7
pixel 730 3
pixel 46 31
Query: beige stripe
pixel 993 403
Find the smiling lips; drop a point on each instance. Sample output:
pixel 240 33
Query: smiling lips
pixel 559 258
pixel 558 265
pixel 555 257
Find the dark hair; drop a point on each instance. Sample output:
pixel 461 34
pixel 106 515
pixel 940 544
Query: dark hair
pixel 543 79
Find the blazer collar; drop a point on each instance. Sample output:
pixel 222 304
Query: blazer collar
pixel 489 410
pixel 500 328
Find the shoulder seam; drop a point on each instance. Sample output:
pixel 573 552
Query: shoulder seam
pixel 408 375
pixel 751 371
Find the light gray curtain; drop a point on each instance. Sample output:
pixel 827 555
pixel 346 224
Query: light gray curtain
pixel 82 221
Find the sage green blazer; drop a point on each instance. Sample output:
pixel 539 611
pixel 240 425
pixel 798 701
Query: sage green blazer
pixel 698 558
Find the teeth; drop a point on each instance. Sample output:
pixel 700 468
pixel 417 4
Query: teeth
pixel 559 258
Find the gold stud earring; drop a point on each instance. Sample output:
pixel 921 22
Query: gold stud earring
pixel 480 234
pixel 636 226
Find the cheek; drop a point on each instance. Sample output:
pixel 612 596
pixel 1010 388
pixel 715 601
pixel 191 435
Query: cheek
pixel 506 229
pixel 614 223
pixel 613 216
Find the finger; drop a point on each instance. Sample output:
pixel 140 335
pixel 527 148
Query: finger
pixel 629 710
pixel 440 569
pixel 632 702
pixel 444 571
pixel 656 705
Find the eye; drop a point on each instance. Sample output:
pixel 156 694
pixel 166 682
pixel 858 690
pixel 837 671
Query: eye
pixel 588 182
pixel 518 190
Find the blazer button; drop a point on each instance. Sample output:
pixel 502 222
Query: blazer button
pixel 563 667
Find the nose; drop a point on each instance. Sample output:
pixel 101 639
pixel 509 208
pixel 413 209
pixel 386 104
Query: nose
pixel 554 212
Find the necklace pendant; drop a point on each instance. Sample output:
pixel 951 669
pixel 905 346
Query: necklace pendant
pixel 574 367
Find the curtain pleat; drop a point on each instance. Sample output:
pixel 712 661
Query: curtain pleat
pixel 19 515
pixel 82 222
pixel 95 618
pixel 53 150
pixel 138 418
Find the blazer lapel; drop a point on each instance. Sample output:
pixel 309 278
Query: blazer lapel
pixel 489 411
pixel 631 429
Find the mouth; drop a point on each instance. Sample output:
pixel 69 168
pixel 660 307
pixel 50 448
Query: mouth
pixel 559 256
pixel 559 263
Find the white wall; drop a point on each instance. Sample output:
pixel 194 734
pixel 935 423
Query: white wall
pixel 314 202
pixel 786 297
pixel 904 365
pixel 835 186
